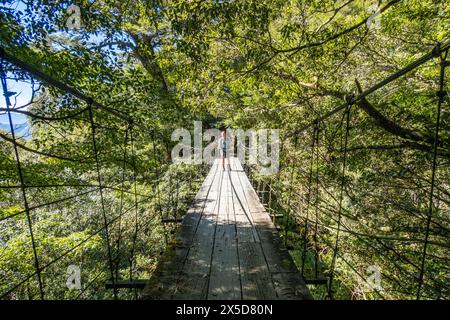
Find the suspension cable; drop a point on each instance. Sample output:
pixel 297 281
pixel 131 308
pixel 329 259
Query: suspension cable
pixel 136 211
pixel 308 200
pixel 22 181
pixel 441 95
pixel 289 211
pixel 99 179
pixel 438 50
pixel 156 187
pixel 344 143
pixel 316 205
pixel 119 223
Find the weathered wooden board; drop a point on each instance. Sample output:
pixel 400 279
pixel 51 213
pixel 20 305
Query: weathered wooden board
pixel 197 266
pixel 224 282
pixel 246 231
pixel 163 284
pixel 255 276
pixel 290 286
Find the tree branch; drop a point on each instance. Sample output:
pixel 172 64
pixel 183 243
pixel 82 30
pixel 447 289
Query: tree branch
pixel 389 125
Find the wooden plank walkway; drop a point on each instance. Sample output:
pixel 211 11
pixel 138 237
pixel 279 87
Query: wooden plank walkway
pixel 227 248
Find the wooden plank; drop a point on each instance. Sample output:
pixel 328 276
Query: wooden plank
pixel 199 255
pixel 239 190
pixel 288 282
pixel 290 286
pixel 262 219
pixel 237 166
pixel 245 229
pixel 254 203
pixel 256 280
pixel 163 284
pixel 231 215
pixel 232 164
pixel 246 206
pixel 192 218
pixel 191 286
pixel 251 203
pixel 222 199
pixel 195 273
pixel 277 256
pixel 224 282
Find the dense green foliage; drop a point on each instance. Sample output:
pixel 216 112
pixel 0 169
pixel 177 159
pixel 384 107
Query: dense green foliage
pixel 247 64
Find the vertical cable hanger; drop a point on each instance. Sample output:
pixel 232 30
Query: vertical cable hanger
pixel 291 187
pixel 22 181
pixel 277 193
pixel 169 205
pixel 441 95
pixel 136 211
pixel 177 195
pixel 119 222
pixel 344 144
pixel 270 197
pixel 316 205
pixel 102 200
pixel 156 187
pixel 308 200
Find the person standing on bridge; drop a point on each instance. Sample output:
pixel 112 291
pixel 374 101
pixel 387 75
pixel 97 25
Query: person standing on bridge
pixel 223 146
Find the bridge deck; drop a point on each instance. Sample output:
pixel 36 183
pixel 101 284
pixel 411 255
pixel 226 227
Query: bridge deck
pixel 227 248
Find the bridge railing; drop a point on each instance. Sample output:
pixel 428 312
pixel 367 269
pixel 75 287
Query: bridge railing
pixel 368 220
pixel 88 196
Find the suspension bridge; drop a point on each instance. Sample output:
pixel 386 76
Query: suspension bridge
pixel 227 245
